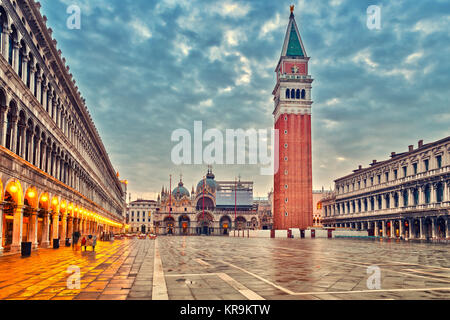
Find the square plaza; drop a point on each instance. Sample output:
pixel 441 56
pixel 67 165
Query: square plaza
pixel 219 268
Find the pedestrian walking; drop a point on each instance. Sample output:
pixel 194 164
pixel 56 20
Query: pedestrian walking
pixel 94 242
pixel 83 244
pixel 75 237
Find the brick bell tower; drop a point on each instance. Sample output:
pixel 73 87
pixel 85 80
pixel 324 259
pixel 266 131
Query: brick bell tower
pixel 293 203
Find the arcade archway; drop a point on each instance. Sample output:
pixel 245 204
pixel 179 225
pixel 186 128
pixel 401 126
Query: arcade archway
pixel 225 225
pixel 169 224
pixel 241 223
pixel 184 224
pixel 204 224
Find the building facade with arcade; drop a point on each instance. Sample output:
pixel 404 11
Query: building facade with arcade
pixel 405 196
pixel 55 174
pixel 212 208
pixel 293 203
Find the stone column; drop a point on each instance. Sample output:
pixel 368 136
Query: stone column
pixel 383 228
pixel 411 229
pixel 64 227
pixel 33 229
pixel 422 233
pixel 45 242
pixel 393 235
pixel 30 147
pixel 433 227
pixel 43 156
pixel 5 41
pixel 44 98
pixel 32 75
pixel 83 226
pixel 16 49
pixel 38 88
pixel 38 152
pixel 56 167
pixel 446 191
pixel 401 228
pixel 3 125
pixel 24 69
pixel 1 230
pixel 13 142
pixel 70 231
pixel 447 228
pixel 55 223
pixel 17 230
pixel 433 189
pixel 421 195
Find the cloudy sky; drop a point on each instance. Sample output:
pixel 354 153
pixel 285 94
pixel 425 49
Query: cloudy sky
pixel 148 67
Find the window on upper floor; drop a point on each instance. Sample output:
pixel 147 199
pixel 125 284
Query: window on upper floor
pixel 426 163
pixel 439 162
pixel 416 196
pixel 415 168
pixel 379 178
pixel 297 94
pixel 395 174
pixel 288 94
pixel 386 175
pixel 303 94
pixel 439 193
pixel 371 181
pixel 405 171
pixel 365 183
pixel 293 94
pixel 405 198
pixel 427 194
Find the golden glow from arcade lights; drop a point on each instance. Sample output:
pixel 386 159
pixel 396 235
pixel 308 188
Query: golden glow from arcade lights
pixel 13 188
pixel 31 194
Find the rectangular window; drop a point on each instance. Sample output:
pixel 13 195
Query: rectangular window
pixel 365 183
pixel 415 168
pixel 427 164
pixel 387 176
pixel 395 174
pixel 405 171
pixel 439 162
pixel 379 178
pixel 359 185
pixel 371 181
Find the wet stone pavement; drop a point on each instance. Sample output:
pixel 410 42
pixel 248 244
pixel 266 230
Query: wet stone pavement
pixel 219 268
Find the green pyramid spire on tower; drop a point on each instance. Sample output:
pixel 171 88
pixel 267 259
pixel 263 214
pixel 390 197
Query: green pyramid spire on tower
pixel 294 48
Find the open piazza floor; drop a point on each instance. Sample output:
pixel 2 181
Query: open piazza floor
pixel 222 268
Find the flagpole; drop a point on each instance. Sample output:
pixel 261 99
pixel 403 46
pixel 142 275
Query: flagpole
pixel 203 198
pixel 170 197
pixel 235 199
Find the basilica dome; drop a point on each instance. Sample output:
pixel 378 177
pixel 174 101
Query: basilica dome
pixel 209 182
pixel 180 191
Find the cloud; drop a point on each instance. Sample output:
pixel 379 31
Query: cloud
pixel 141 31
pixel 147 68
